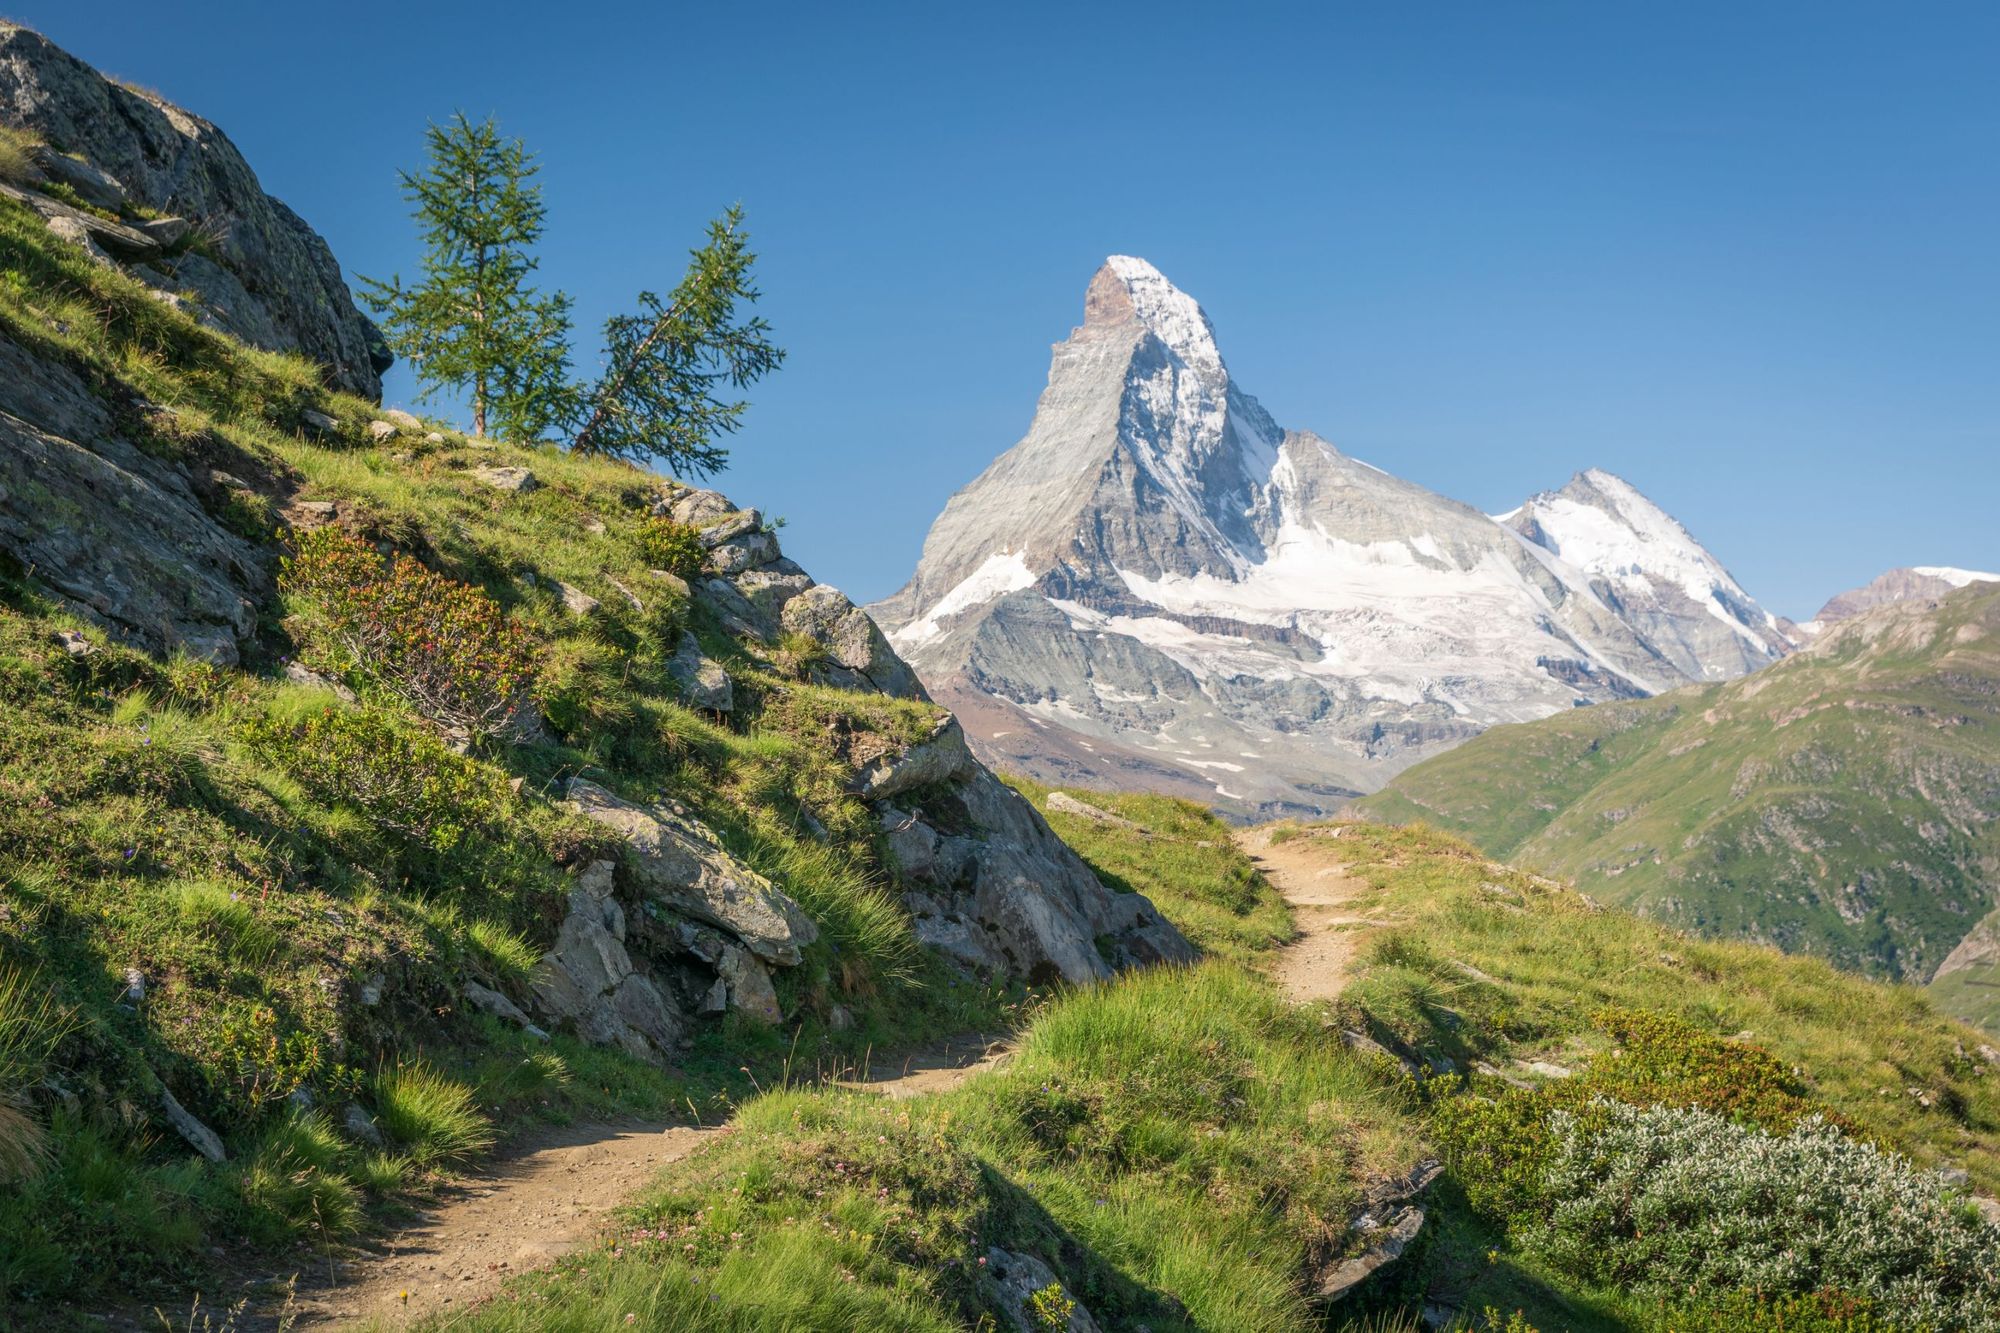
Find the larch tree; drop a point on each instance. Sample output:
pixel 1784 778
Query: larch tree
pixel 472 323
pixel 673 372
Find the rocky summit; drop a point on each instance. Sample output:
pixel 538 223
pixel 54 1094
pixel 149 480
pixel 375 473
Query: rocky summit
pixel 1160 587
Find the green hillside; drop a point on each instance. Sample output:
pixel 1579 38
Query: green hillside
pixel 1844 802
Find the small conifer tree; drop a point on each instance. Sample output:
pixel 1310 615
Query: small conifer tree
pixel 668 369
pixel 473 323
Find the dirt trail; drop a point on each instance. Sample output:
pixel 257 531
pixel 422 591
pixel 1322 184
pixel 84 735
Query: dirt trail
pixel 1319 890
pixel 547 1196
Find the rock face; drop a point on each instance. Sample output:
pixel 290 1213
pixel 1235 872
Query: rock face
pixel 69 480
pixel 1898 585
pixel 272 282
pixel 1159 587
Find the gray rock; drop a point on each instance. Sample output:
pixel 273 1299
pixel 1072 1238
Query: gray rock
pixel 1009 898
pixel 732 527
pixel 164 159
pixel 750 989
pixel 408 421
pixel 358 1125
pixel 379 431
pixel 716 999
pixel 164 232
pixel 702 680
pixel 589 980
pixel 371 990
pixel 119 534
pixel 680 864
pixel 493 1002
pixel 1391 1238
pixel 1018 1277
pixel 941 759
pixel 98 188
pixel 1061 802
pixel 688 505
pixel 73 643
pixel 738 614
pixel 575 601
pixel 73 231
pixel 746 552
pixel 120 241
pixel 1362 1044
pixel 199 1136
pixel 852 641
pixel 513 479
pixel 320 421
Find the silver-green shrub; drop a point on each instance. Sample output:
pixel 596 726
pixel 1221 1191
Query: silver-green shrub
pixel 1682 1203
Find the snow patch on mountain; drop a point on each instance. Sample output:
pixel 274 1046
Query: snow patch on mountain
pixel 1957 578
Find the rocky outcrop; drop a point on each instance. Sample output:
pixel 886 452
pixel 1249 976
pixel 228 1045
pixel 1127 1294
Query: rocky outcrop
pixel 677 864
pixel 1924 582
pixel 986 880
pixel 174 578
pixel 1031 1296
pixel 271 279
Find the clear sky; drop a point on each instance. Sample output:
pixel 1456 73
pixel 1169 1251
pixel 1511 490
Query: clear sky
pixel 1745 255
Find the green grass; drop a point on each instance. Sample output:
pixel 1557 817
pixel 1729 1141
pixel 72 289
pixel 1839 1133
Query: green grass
pixel 148 823
pixel 431 1117
pixel 1842 802
pixel 1181 857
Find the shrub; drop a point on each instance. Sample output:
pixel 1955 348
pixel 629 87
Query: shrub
pixel 431 1116
pixel 444 647
pixel 1663 1059
pixel 672 546
pixel 1667 1201
pixel 404 779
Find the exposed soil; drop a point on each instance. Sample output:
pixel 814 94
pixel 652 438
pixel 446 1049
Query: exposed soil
pixel 1308 873
pixel 547 1195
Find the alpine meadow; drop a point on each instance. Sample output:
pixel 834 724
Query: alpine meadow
pixel 462 871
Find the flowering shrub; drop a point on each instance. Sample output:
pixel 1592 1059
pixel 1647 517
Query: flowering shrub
pixel 444 647
pixel 1674 1201
pixel 674 547
pixel 403 778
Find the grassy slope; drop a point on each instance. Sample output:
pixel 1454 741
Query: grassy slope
pixel 1179 1144
pixel 140 828
pixel 1843 802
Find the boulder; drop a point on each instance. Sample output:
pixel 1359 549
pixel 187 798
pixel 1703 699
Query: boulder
pixel 746 552
pixel 380 431
pixel 358 1125
pixel 702 680
pixel 860 656
pixel 100 189
pixel 1019 1279
pixel 575 601
pixel 734 526
pixel 493 1002
pixel 320 421
pixel 408 421
pixel 513 479
pixel 679 864
pixel 943 758
pixel 69 229
pixel 164 232
pixel 1062 803
pixel 750 990
pixel 588 980
pixel 1007 897
pixel 162 158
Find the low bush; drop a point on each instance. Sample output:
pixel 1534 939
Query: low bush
pixel 403 778
pixel 672 546
pixel 1667 1200
pixel 393 626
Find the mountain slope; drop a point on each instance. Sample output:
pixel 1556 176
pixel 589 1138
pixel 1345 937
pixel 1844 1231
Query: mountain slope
pixel 1159 587
pixel 1845 801
pixel 1898 585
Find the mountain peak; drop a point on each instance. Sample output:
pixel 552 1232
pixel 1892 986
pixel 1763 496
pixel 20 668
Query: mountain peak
pixel 1129 289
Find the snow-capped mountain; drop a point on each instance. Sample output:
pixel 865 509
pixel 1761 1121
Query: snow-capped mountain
pixel 1160 587
pixel 1897 585
pixel 1661 581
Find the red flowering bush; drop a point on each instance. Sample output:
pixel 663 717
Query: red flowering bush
pixel 391 625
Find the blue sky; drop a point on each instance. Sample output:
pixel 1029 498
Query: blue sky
pixel 1747 256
